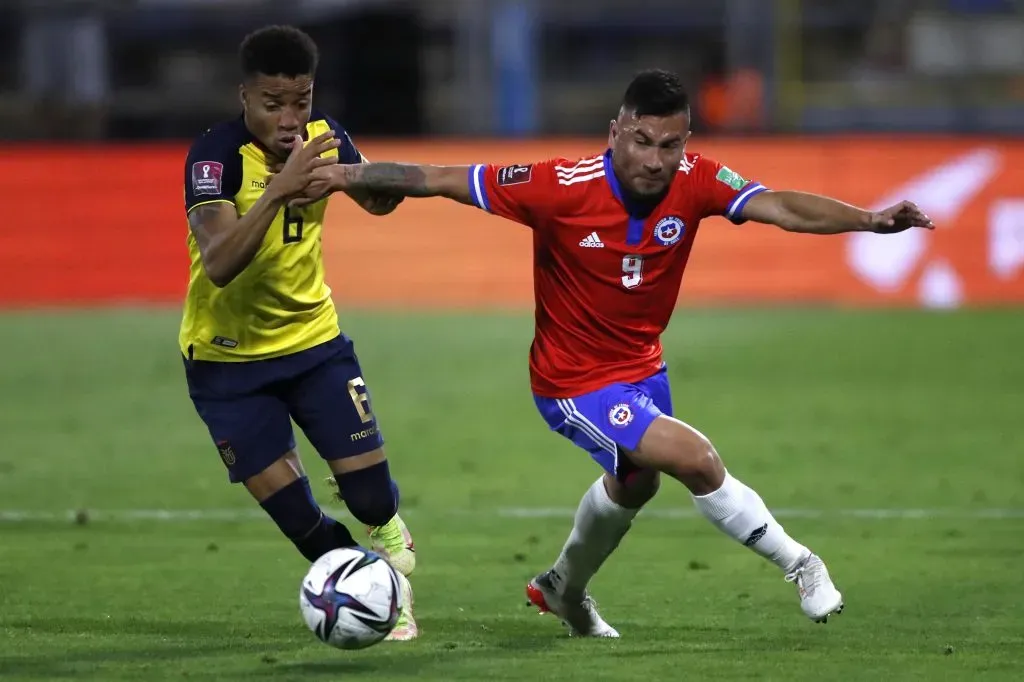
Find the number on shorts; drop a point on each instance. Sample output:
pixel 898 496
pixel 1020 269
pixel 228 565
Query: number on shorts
pixel 360 399
pixel 632 268
pixel 292 226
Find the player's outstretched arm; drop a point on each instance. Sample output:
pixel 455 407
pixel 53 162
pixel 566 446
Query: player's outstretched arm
pixel 815 214
pixel 228 242
pixel 399 179
pixel 375 203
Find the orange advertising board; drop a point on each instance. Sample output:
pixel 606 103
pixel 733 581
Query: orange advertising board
pixel 105 225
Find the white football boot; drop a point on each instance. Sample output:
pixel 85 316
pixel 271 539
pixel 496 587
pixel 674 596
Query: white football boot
pixel 579 613
pixel 819 598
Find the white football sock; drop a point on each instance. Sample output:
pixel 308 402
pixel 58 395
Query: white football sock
pixel 740 513
pixel 599 527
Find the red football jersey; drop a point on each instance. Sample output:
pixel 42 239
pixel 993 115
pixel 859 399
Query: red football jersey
pixel 605 280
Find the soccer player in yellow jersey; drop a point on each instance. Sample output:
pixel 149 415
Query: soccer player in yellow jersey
pixel 259 333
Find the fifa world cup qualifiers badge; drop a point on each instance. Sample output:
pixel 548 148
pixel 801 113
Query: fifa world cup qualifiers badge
pixel 514 175
pixel 206 177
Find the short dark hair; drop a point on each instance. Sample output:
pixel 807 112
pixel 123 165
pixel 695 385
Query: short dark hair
pixel 278 51
pixel 656 93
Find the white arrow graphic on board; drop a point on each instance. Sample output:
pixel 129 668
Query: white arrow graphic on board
pixel 885 261
pixel 1006 237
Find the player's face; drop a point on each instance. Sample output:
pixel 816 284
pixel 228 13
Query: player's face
pixel 277 108
pixel 647 151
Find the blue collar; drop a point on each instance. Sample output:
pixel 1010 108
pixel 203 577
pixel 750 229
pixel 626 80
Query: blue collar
pixel 613 182
pixel 638 211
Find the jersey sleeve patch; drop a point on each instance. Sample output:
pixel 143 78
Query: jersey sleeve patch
pixel 731 178
pixel 734 212
pixel 207 178
pixel 515 175
pixel 525 193
pixel 213 167
pixel 724 192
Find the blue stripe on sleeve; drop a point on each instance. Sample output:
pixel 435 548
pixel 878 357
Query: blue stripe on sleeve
pixel 735 209
pixel 476 187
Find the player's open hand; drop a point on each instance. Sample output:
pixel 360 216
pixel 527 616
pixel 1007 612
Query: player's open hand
pixel 292 178
pixel 900 217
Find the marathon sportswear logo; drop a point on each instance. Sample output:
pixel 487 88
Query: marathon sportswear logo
pixel 669 230
pixel 514 175
pixel 362 435
pixel 206 177
pixel 592 241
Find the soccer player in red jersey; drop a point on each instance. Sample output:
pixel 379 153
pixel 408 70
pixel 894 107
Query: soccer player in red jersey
pixel 611 237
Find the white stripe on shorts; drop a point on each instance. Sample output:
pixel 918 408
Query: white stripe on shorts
pixel 576 418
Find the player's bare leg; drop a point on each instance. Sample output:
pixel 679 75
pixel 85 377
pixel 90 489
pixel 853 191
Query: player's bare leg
pixel 602 519
pixel 360 480
pixel 682 452
pixel 282 489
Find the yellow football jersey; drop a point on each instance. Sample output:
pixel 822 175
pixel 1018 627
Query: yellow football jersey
pixel 279 304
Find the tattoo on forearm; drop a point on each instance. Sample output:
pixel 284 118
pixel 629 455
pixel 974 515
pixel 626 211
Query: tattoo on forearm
pixel 398 178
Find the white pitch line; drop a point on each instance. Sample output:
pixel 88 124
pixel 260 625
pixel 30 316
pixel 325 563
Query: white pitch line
pixel 240 515
pixel 23 515
pixel 688 513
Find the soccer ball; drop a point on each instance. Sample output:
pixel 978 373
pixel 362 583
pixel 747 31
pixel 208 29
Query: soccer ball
pixel 350 598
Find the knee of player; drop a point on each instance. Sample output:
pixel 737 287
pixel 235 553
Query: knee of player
pixel 370 494
pixel 636 489
pixel 692 453
pixel 651 487
pixel 700 454
pixel 704 449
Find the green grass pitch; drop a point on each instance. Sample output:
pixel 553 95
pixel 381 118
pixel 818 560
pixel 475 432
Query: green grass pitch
pixel 890 442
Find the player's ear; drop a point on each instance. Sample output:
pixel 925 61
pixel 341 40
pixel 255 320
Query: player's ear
pixel 613 132
pixel 243 97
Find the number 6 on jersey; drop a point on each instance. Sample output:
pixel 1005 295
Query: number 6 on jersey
pixel 292 226
pixel 632 267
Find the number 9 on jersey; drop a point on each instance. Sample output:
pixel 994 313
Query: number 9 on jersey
pixel 633 271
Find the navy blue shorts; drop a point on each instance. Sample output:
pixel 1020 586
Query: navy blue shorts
pixel 249 406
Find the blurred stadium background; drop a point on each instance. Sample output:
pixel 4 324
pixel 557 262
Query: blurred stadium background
pixel 149 69
pixel 866 99
pixel 888 436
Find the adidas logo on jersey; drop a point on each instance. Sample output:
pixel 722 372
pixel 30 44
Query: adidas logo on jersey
pixel 592 241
